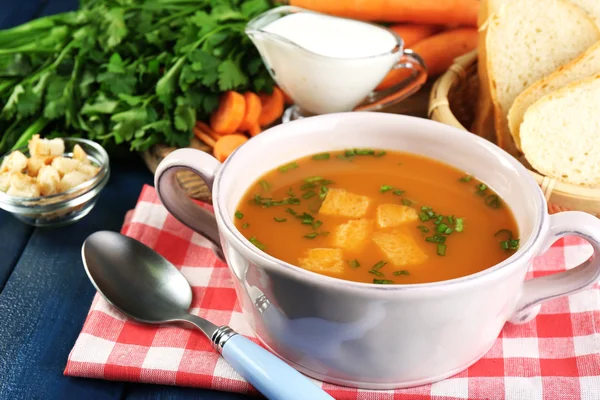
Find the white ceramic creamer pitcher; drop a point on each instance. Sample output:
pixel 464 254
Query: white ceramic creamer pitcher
pixel 329 64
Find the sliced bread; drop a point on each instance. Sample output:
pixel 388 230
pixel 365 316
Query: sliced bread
pixel 586 65
pixel 551 125
pixel 527 40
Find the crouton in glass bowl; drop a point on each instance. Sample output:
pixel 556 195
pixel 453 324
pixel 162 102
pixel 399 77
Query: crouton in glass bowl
pixel 53 182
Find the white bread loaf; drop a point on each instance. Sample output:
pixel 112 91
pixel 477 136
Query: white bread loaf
pixel 551 125
pixel 527 40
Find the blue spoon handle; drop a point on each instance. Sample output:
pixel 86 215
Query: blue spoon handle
pixel 275 379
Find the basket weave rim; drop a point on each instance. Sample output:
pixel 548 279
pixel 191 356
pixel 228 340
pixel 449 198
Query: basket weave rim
pixel 439 103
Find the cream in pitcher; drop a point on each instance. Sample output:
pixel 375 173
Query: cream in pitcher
pixel 330 64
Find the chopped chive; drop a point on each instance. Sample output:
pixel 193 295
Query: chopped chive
pixel 344 157
pixel 399 192
pixel 375 272
pixel 308 185
pixel 313 179
pixel 385 188
pixel 448 231
pixel 317 224
pixel 245 225
pixel 383 281
pixel 481 188
pixel 287 167
pixel 450 219
pixel 439 219
pixel 492 201
pixel 426 208
pixel 354 263
pixel 309 194
pixel 380 154
pixel 424 217
pixel 280 219
pixel 511 244
pixel 239 215
pixel 350 153
pixel 441 249
pixel 441 228
pixel 407 202
pixel 266 186
pixel 290 211
pixel 364 152
pixel 466 178
pixel 402 272
pixel 321 156
pixel 379 265
pixel 323 192
pixel 459 225
pixel 423 228
pixel 258 244
pixel 436 239
pixel 504 244
pixel 311 235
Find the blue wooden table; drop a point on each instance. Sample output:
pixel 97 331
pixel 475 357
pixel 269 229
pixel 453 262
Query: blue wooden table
pixel 44 291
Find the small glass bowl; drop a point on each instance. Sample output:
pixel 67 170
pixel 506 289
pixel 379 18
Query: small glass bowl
pixel 67 207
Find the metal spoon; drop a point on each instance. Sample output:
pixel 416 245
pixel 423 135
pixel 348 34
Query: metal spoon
pixel 143 285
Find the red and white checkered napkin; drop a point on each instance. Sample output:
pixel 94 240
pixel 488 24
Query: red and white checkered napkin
pixel 556 356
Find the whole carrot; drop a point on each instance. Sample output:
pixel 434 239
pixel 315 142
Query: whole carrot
pixel 413 33
pixel 438 53
pixel 439 12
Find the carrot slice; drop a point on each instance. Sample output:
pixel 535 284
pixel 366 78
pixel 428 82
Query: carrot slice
pixel 208 130
pixel 254 130
pixel 227 145
pixel 230 114
pixel 272 106
pixel 204 137
pixel 253 110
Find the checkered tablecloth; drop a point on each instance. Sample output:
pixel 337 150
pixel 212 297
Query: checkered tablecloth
pixel 555 356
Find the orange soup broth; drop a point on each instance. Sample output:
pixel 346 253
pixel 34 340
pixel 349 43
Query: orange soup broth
pixel 426 182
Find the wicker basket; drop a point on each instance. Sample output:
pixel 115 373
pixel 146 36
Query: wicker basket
pixel 452 101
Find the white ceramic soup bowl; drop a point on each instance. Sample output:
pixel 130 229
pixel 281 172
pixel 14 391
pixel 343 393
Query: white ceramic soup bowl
pixel 369 335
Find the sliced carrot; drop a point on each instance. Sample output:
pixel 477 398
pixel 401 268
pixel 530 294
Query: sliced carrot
pixel 230 114
pixel 413 33
pixel 227 145
pixel 272 107
pixel 253 110
pixel 204 137
pixel 254 130
pixel 208 130
pixel 438 52
pixel 461 12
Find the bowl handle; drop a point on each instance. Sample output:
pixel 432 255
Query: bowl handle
pixel 538 290
pixel 178 203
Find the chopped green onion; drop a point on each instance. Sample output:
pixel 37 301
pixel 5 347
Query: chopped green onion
pixel 439 219
pixel 481 188
pixel 449 231
pixel 380 154
pixel 383 281
pixel 441 228
pixel 426 208
pixel 424 217
pixel 321 156
pixel 402 272
pixel 375 272
pixel 266 186
pixel 450 219
pixel 459 225
pixel 441 249
pixel 308 185
pixel 280 219
pixel 379 265
pixel 511 244
pixel 364 152
pixel 311 235
pixel 350 153
pixel 290 211
pixel 245 225
pixel 423 228
pixel 385 188
pixel 354 263
pixel 492 201
pixel 399 192
pixel 323 192
pixel 466 178
pixel 308 195
pixel 407 202
pixel 287 167
pixel 258 244
pixel 317 224
pixel 436 239
pixel 313 179
pixel 239 215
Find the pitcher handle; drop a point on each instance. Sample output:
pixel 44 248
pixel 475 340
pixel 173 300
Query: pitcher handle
pixel 386 97
pixel 538 290
pixel 176 200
